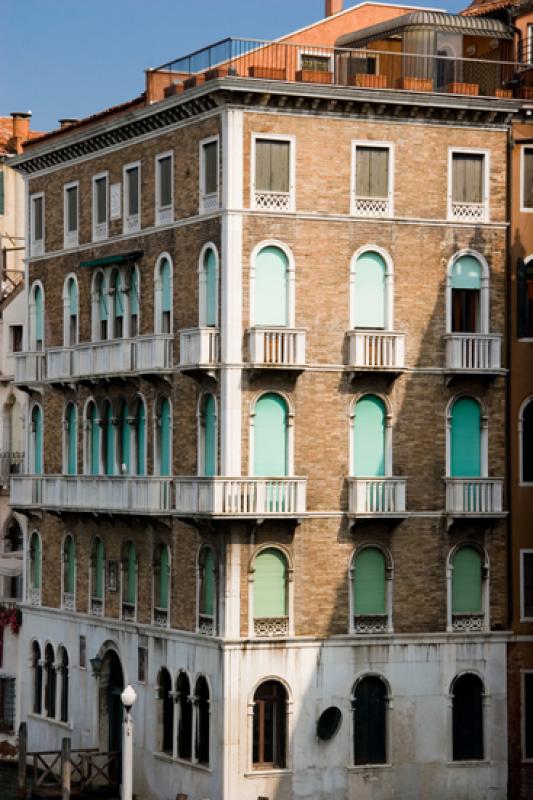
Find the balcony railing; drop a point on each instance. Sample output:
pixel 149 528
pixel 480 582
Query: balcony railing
pixel 474 497
pixel 271 626
pixel 29 368
pixel 276 347
pixel 473 352
pixel 105 493
pixel 206 624
pixel 153 353
pixel 161 617
pixel 370 623
pixel 241 497
pixel 377 350
pixel 376 497
pixel 199 347
pixel 469 212
pixel 69 601
pixel 466 623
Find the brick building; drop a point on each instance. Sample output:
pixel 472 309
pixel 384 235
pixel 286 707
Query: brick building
pixel 266 359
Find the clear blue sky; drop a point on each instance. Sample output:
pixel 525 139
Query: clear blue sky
pixel 70 58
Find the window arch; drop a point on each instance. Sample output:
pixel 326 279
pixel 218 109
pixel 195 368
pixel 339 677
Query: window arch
pixel 37 667
pixel 271 286
pixel 371 444
pixel 50 682
pixel 35 568
pixel 468 589
pixel 140 437
pixel 97 577
pixel 100 308
pixel 108 439
pixel 69 573
pixel 207 591
pixel 13 543
pixel 208 286
pixel 163 294
pixel 36 440
pixel 92 439
pixel 467 294
pixel 71 440
pixel 124 439
pixel 207 435
pixel 70 311
pixel 134 301
pixel 371 290
pixel 117 292
pixel 467 718
pixel 36 308
pixel 271 440
pixel 129 582
pixel 525 442
pixel 269 726
pixel 161 585
pixel 371 591
pixel 184 727
pixel 163 438
pixel 370 729
pixel 467 439
pixel 270 601
pixel 202 704
pixel 166 711
pixel 62 658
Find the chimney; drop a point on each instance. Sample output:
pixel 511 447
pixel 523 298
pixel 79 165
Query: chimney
pixel 66 122
pixel 21 128
pixel 333 7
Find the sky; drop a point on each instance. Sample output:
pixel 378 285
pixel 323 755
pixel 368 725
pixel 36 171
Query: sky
pixel 71 58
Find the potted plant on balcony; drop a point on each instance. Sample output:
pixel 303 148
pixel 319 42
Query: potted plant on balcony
pixel 412 84
pixel 459 87
pixel 365 81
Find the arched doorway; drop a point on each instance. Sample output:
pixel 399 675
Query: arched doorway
pixel 110 705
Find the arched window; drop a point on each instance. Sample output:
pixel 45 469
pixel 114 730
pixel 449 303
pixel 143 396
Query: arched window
pixel 140 438
pixel 14 543
pixel 208 273
pixel 92 440
pixel 465 439
pixel 35 569
pixel 269 750
pixel 271 307
pixel 100 314
pixel 526 442
pixel 129 582
pixel 370 721
pixel 370 298
pixel 69 573
pixel 62 657
pixel 71 440
pixel 36 318
pixel 467 714
pixel 370 455
pixel 270 593
pixel 117 294
pixel 207 591
pixel 201 745
pixel 466 295
pixel 134 302
pixel 70 312
pixel 124 440
pixel 161 585
pixel 270 437
pixel 50 682
pixel 37 678
pixel 163 296
pixel 166 710
pixel 108 439
pixel 207 435
pixel 469 590
pixel 97 577
pixel 370 589
pixel 183 691
pixel 163 437
pixel 36 440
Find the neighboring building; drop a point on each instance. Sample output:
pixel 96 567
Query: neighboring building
pixel 266 357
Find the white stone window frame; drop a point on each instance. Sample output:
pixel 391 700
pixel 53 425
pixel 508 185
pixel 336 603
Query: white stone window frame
pixel 66 311
pixel 389 580
pixel 37 245
pixel 290 431
pixel 33 317
pixel 156 577
pixel 158 291
pixel 485 705
pixel 208 202
pixel 71 238
pixel 202 284
pixel 386 212
pixel 523 208
pixel 218 583
pixel 523 672
pixel 289 589
pixel 174 677
pixel 87 442
pixel 484 432
pixel 389 286
pixel 291 199
pixel 485 215
pixel 66 434
pixel 389 708
pixel 253 771
pixel 100 231
pixel 131 224
pixel 523 551
pixel 526 402
pixel 164 215
pixel 91 577
pixel 68 535
pixel 200 427
pixel 291 280
pixel 389 418
pixel 484 294
pixel 316 51
pixel 485 585
pixel 31 441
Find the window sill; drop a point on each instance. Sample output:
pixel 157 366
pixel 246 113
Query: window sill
pixel 168 759
pixel 266 773
pixel 368 767
pixel 471 764
pixel 67 726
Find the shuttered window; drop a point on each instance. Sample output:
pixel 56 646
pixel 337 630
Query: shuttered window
pixel 163 578
pixel 527 443
pixel 370 721
pixel 100 189
pixel 140 439
pixel 164 443
pixel 37 219
pixel 466 439
pixel 37 439
pixel 272 166
pixel 270 436
pixel 211 300
pixel 124 440
pixel 132 191
pixel 467 177
pixel 369 582
pixel 527 178
pixel 164 166
pixel 271 287
pixel 70 565
pixel 371 171
pixel 210 156
pixel 270 590
pixel 71 209
pixel 72 433
pixel 528 714
pixel 369 438
pixel 467 713
pixel 368 291
pixel 109 441
pixel 209 436
pixel 527 585
pixel 466 582
pixel 94 444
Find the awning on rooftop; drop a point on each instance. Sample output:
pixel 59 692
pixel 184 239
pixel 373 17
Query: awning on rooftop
pixel 435 20
pixel 118 258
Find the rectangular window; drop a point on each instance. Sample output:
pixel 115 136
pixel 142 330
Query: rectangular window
pixel 527 705
pixel 465 310
pixel 2 201
pixel 527 583
pixel 468 198
pixel 209 175
pixel 132 199
pixel 83 652
pixel 164 189
pixel 273 183
pixel 316 63
pixel 7 704
pixel 100 207
pixel 142 660
pixel 37 224
pixel 372 180
pixel 15 338
pixel 527 179
pixel 71 215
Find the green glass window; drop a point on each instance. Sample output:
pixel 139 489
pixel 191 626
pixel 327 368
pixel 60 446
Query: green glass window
pixel 207 587
pixel 109 440
pixel 271 287
pixel 466 582
pixel 102 299
pixel 166 286
pixel 94 457
pixel 270 436
pixel 466 273
pixel 72 435
pixel 210 266
pixel 270 584
pixel 140 438
pixel 369 437
pixel 39 317
pixel 466 439
pixel 165 433
pixel 210 435
pixel 130 588
pixel 37 436
pixel 98 560
pixel 70 565
pixel 125 433
pixel 35 565
pixel 163 577
pixel 369 582
pixel 368 291
pixel 72 297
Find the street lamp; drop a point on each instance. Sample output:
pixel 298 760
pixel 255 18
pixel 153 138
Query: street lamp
pixel 128 698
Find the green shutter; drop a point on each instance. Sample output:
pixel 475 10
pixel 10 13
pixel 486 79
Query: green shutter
pixel 2 200
pixel 165 438
pixel 369 438
pixel 466 439
pixel 270 290
pixel 270 576
pixel 369 582
pixel 140 434
pixel 466 273
pixel 131 574
pixel 210 288
pixel 116 284
pixel 210 436
pixel 368 299
pixel 467 178
pixel 98 588
pixel 166 289
pixel 270 436
pixel 36 561
pixel 134 293
pixel 272 166
pixel 372 172
pixel 207 597
pixel 163 577
pixel 72 434
pixel 70 567
pixel 73 297
pixel 95 442
pixel 125 438
pixel 109 441
pixel 39 315
pixel 102 300
pixel 466 582
pixel 37 415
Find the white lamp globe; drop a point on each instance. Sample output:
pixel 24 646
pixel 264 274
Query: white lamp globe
pixel 128 697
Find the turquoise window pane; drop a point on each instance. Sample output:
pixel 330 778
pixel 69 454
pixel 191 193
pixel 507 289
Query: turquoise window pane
pixel 39 314
pixel 210 435
pixel 109 442
pixel 466 581
pixel 166 293
pixel 37 419
pixel 140 434
pixel 163 578
pixel 368 300
pixel 270 576
pixel 73 297
pixel 369 438
pixel 70 557
pixel 99 562
pixel 466 439
pixel 125 438
pixel 210 288
pixel 35 550
pixel 134 292
pixel 131 574
pixel 118 300
pixel 165 438
pixel 369 582
pixel 95 442
pixel 270 436
pixel 207 597
pixel 72 434
pixel 102 299
pixel 466 273
pixel 270 290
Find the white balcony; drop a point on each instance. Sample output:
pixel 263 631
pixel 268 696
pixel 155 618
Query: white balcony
pixel 153 353
pixel 241 497
pixel 112 494
pixel 279 348
pixel 473 352
pixel 377 350
pixel 474 497
pixel 199 347
pixel 29 368
pixel 376 497
pixel 114 357
pixel 59 364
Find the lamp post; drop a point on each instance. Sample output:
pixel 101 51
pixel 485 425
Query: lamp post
pixel 128 698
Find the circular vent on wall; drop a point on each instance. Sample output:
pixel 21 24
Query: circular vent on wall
pixel 329 723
